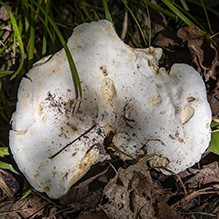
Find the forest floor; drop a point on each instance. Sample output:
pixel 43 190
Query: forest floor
pixel 193 193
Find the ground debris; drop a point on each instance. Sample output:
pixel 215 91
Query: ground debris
pixel 204 53
pixel 128 194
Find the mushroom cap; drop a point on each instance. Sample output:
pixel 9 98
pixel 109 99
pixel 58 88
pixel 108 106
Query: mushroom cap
pixel 124 91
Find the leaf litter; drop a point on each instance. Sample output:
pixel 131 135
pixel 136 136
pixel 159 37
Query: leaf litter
pixel 119 189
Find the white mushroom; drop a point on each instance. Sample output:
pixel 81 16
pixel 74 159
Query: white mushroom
pixel 121 95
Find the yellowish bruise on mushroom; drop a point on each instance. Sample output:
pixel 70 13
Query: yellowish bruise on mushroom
pixel 190 99
pixel 187 113
pixel 155 100
pixel 108 128
pixel 21 132
pixel 158 161
pixel 90 159
pixel 108 90
pixel 162 70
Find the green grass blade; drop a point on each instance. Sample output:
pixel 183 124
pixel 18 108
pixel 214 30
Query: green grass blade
pixel 184 4
pixel 178 13
pixel 74 73
pixel 136 21
pixel 5 102
pixel 27 189
pixel 214 143
pixel 107 13
pixel 18 37
pixel 208 8
pixel 206 15
pixel 198 24
pixel 5 72
pixel 44 44
pixel 160 9
pixel 44 23
pixel 31 41
pixel 149 18
pixel 136 41
pixel 7 166
pixel 4 151
pixel 85 11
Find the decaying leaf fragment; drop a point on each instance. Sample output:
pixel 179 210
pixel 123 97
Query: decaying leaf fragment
pixel 129 193
pixel 204 53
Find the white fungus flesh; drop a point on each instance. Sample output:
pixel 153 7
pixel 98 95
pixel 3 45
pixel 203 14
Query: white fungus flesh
pixel 124 91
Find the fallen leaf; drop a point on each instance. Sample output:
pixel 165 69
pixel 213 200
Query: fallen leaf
pixel 92 215
pixel 5 188
pixel 166 212
pixel 128 194
pixel 30 207
pixel 204 53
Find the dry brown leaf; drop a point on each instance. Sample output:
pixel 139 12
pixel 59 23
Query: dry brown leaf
pixel 203 51
pixel 129 194
pixel 195 194
pixel 5 188
pixel 166 212
pixel 82 195
pixel 92 215
pixel 29 207
pixel 208 174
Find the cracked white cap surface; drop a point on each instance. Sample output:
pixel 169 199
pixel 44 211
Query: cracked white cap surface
pixel 165 114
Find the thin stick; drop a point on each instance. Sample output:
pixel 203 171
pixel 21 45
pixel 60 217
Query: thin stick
pixel 54 155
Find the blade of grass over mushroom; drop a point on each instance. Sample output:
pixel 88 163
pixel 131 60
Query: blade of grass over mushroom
pixel 18 38
pixel 178 13
pixel 75 77
pixel 136 21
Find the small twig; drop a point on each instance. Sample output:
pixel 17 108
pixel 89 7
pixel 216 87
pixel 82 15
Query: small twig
pixel 203 213
pixel 48 200
pixel 65 209
pixel 54 155
pixel 194 194
pixel 184 188
pixel 11 211
pixel 113 168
